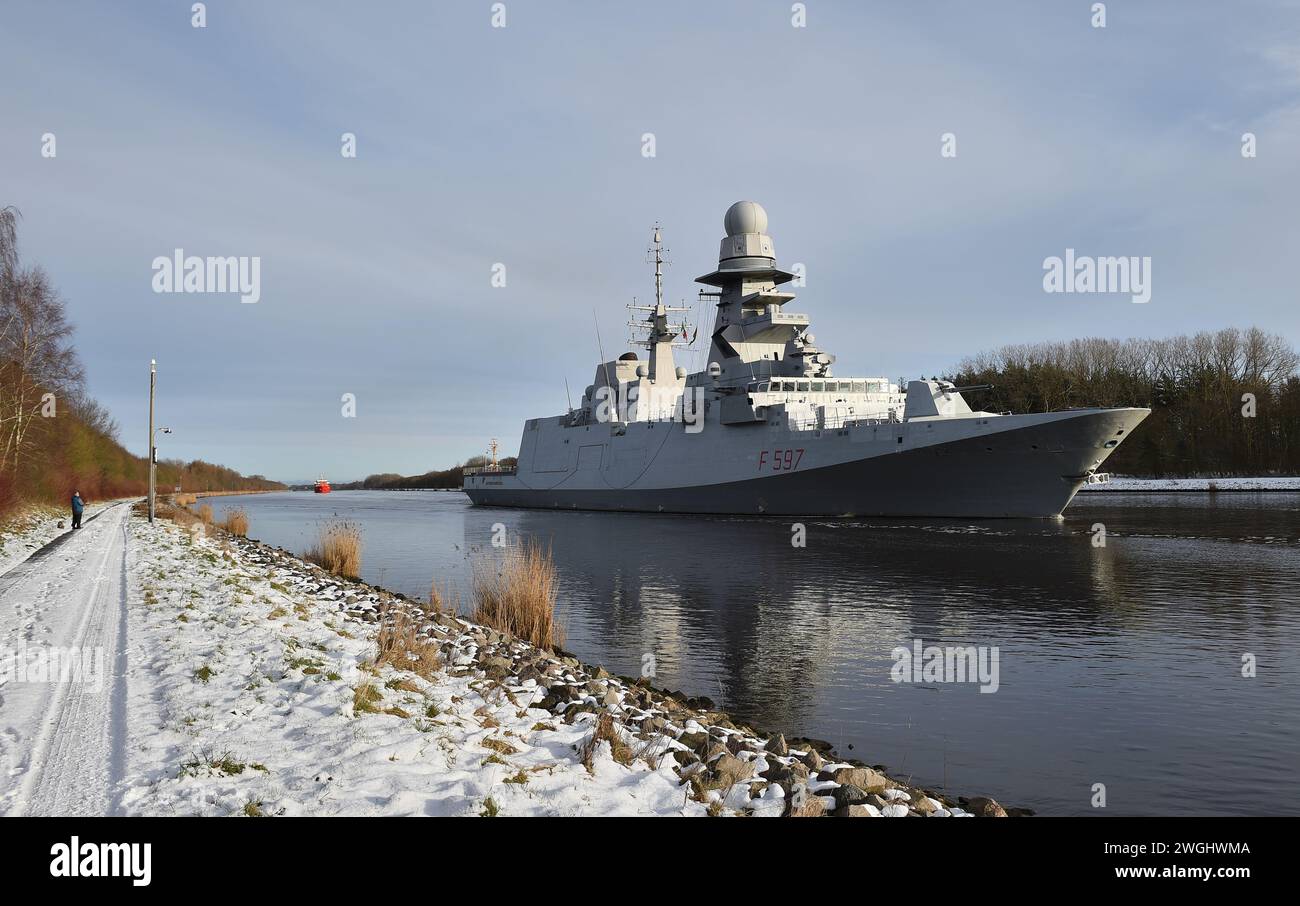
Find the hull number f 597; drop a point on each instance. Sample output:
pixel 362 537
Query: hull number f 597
pixel 779 460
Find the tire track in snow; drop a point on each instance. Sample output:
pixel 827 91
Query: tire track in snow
pixel 64 743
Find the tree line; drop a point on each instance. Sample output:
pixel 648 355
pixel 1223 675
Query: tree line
pixel 1223 402
pixel 438 479
pixel 54 438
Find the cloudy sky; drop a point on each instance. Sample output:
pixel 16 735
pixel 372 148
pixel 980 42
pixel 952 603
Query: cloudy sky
pixel 523 145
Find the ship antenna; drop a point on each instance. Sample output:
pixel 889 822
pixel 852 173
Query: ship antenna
pixel 600 347
pixel 659 267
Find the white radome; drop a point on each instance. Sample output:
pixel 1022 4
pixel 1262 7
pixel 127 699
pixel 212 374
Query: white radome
pixel 745 217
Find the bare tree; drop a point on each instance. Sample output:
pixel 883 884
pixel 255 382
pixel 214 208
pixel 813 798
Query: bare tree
pixel 36 354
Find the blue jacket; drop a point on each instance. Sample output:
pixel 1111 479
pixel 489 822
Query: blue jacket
pixel 77 505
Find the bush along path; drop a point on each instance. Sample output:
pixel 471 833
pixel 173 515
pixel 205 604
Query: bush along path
pixel 263 685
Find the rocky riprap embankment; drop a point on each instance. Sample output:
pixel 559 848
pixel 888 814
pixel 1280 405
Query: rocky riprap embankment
pixel 727 765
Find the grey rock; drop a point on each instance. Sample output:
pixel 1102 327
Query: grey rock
pixel 847 794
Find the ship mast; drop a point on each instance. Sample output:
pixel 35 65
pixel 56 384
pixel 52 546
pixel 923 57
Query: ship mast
pixel 661 335
pixel 658 250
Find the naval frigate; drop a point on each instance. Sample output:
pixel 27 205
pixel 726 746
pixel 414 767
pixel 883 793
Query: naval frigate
pixel 766 428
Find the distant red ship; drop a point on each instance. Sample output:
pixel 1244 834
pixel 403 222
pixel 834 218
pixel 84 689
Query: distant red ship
pixel 322 486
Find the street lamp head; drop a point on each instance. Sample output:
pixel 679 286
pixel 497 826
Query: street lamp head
pixel 153 364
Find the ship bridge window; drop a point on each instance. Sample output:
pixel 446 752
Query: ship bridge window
pixel 817 386
pixel 762 387
pixel 859 387
pixel 802 386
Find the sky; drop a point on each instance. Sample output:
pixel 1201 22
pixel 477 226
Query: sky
pixel 523 146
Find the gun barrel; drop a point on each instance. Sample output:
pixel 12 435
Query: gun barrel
pixel 971 387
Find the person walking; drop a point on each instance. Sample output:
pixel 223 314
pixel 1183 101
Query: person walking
pixel 77 508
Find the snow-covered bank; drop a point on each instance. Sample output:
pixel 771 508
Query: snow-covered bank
pixel 1268 483
pixel 254 691
pixel 36 527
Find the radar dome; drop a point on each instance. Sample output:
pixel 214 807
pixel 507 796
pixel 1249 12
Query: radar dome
pixel 745 217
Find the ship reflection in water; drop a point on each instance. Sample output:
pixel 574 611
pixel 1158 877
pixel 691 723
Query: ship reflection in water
pixel 1119 664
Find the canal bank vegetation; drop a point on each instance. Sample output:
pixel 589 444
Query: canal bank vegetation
pixel 236 522
pixel 337 549
pixel 517 596
pixel 1224 403
pixel 436 480
pixel 54 438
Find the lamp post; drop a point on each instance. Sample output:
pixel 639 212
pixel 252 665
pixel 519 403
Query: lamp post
pixel 153 456
pixel 153 447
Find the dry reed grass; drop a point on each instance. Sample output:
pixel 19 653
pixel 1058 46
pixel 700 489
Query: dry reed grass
pixel 403 646
pixel 185 518
pixel 237 522
pixel 518 598
pixel 338 549
pixel 605 731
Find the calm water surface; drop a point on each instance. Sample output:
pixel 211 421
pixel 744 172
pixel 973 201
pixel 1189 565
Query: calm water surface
pixel 1119 665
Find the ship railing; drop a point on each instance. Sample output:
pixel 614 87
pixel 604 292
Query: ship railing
pixel 488 470
pixel 834 423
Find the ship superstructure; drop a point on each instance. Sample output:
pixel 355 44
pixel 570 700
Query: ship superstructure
pixel 767 428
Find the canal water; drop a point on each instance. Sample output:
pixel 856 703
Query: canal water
pixel 1119 665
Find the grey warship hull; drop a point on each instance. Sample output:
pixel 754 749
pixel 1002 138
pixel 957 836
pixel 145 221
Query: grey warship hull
pixel 1029 472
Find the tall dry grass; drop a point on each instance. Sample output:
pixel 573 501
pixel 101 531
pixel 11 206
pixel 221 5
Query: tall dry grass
pixel 518 597
pixel 403 646
pixel 441 601
pixel 185 518
pixel 205 514
pixel 338 549
pixel 237 522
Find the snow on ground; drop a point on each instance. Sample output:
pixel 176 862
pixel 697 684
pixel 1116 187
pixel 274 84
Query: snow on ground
pixel 243 700
pixel 1268 483
pixel 34 528
pixel 61 686
pixel 235 679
